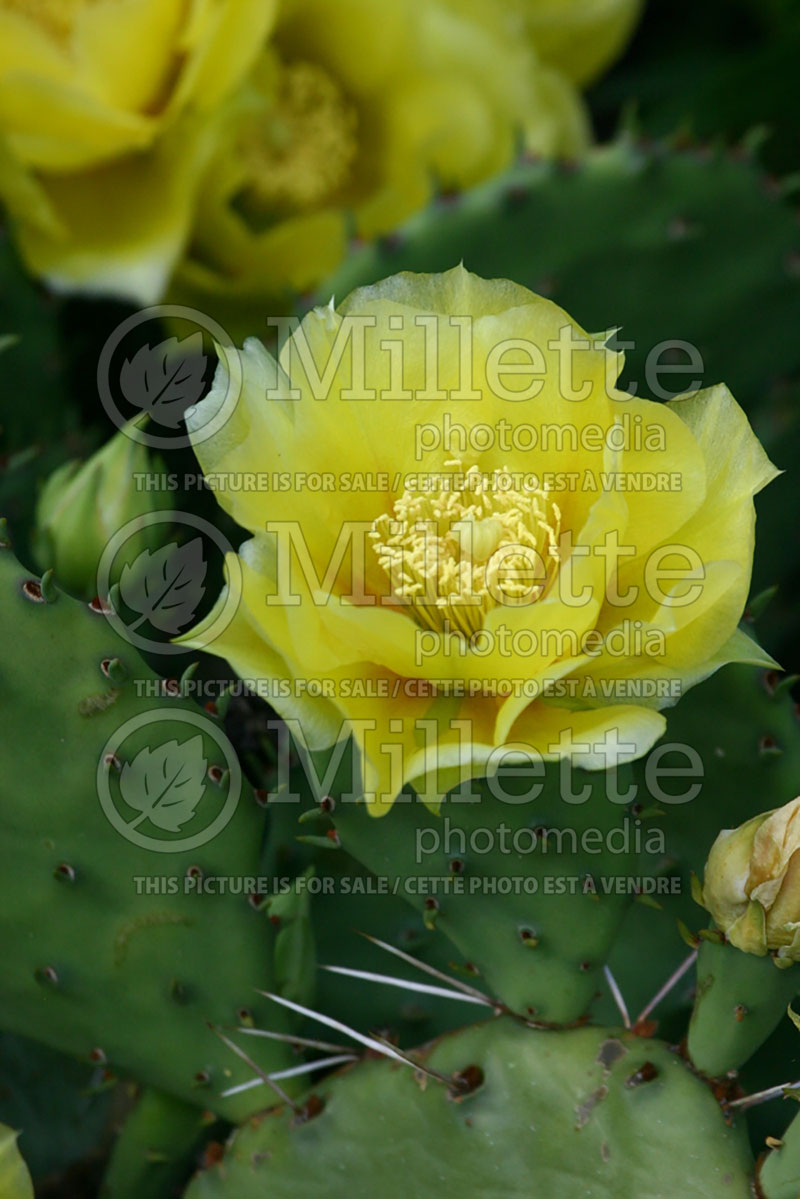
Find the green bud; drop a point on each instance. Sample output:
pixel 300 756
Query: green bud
pixel 83 504
pixel 752 884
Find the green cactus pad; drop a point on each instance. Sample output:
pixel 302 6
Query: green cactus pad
pixel 742 725
pixel 669 245
pixel 590 1112
pixel 156 1149
pixel 512 884
pixel 779 1172
pixel 740 999
pixel 348 906
pixel 122 973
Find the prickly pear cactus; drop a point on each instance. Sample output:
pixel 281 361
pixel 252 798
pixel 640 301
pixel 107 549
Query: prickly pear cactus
pixel 538 917
pixel 501 1109
pixel 157 1147
pixel 534 917
pixel 779 1170
pixel 739 1000
pixel 742 726
pixel 114 950
pixel 189 947
pixel 629 230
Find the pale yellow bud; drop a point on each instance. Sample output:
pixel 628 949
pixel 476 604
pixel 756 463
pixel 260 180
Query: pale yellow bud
pixel 752 883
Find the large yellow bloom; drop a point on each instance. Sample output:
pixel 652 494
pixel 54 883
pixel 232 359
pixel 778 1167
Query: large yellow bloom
pixel 489 547
pixel 97 180
pixel 355 114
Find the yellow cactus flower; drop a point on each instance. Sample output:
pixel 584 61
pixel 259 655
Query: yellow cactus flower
pixel 467 543
pixel 752 884
pixel 354 115
pixel 99 156
pixel 580 38
pixel 83 81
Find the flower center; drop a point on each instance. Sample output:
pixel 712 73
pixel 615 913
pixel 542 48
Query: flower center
pixel 57 17
pixel 453 555
pixel 301 153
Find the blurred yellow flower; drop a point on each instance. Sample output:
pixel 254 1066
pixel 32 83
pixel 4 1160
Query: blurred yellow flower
pixel 580 38
pixel 83 81
pixel 97 181
pixel 466 541
pixel 354 115
pixel 752 884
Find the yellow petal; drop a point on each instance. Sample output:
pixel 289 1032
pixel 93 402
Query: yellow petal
pixel 784 911
pixel 357 41
pixel 749 932
pixel 233 630
pixel 59 127
pixel 15 1181
pixel 774 845
pixel 126 50
pixel 592 740
pixel 736 464
pixel 120 228
pixel 581 37
pixel 726 892
pixel 220 45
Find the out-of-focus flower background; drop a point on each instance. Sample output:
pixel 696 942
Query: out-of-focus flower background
pixel 177 176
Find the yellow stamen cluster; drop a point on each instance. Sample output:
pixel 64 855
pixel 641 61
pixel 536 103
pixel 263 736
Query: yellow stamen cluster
pixel 453 555
pixel 302 153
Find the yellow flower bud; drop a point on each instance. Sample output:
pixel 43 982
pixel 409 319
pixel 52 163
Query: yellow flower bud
pixel 752 883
